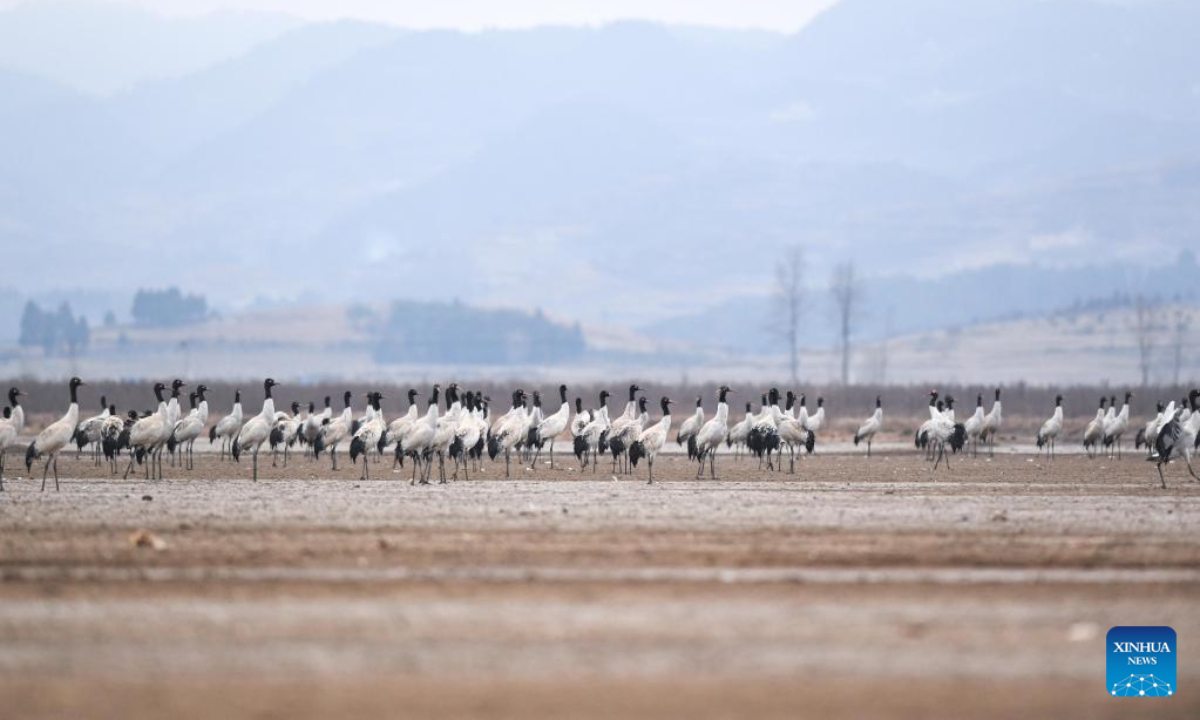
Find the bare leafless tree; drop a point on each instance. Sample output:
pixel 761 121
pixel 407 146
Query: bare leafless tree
pixel 789 303
pixel 1180 328
pixel 847 297
pixel 1143 329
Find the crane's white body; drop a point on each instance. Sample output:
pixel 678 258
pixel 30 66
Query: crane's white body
pixel 869 429
pixel 710 436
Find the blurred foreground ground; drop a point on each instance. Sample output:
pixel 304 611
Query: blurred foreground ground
pixel 856 588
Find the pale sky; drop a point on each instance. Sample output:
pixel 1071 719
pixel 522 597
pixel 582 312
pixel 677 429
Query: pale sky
pixel 782 15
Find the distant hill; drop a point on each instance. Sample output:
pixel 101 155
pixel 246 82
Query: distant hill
pixel 623 175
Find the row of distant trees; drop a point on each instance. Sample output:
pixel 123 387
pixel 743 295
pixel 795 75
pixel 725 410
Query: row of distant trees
pixel 62 332
pixel 457 333
pixel 168 308
pixel 58 332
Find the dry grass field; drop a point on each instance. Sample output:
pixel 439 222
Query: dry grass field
pixel 856 588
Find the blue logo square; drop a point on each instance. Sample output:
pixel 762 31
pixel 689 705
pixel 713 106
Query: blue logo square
pixel 1141 661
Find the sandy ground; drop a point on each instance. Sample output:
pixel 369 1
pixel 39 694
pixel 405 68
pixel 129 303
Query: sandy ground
pixel 855 588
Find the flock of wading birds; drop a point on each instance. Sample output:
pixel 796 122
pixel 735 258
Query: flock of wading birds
pixel 467 430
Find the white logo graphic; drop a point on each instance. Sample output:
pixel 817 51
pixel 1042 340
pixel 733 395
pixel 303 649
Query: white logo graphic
pixel 1146 685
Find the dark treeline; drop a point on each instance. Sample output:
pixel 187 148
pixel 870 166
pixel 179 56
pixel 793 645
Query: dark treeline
pixel 435 332
pixel 168 308
pixel 58 332
pixel 1025 406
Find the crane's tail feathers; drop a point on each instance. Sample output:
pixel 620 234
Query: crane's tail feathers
pixel 581 447
pixel 810 443
pixel 236 451
pixel 637 451
pixel 958 438
pixel 212 434
pixel 357 447
pixel 693 452
pixel 31 454
pixel 1140 439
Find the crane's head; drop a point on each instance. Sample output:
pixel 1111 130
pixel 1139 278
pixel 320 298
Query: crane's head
pixel 295 407
pixel 665 404
pixel 412 396
pixel 603 397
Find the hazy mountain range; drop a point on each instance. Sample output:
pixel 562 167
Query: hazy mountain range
pixel 627 174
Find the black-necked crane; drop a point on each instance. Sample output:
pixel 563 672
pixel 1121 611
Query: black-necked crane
pixel 285 433
pixel 591 442
pixel 10 427
pixel 398 429
pixel 55 437
pixel 313 424
pixel 335 431
pixel 974 425
pixel 110 435
pixel 88 432
pixel 652 440
pixel 190 428
pixel 229 426
pixel 257 429
pixel 690 426
pixel 1115 430
pixel 512 430
pixel 871 427
pixel 793 434
pixel 992 423
pixel 1047 436
pixel 712 434
pixel 1179 436
pixel 145 436
pixel 551 427
pixel 1146 435
pixel 763 439
pixel 419 440
pixel 739 432
pixel 367 437
pixel 624 430
pixel 1093 434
